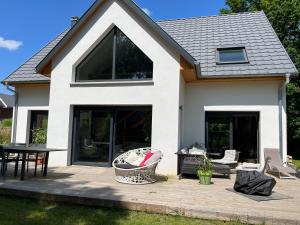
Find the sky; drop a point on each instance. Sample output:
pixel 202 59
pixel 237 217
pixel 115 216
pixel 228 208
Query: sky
pixel 27 26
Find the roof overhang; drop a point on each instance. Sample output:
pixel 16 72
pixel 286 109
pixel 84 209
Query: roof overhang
pixel 44 67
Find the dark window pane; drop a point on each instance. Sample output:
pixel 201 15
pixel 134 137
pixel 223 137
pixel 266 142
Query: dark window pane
pixel 218 134
pixel 98 64
pixel 232 55
pixel 93 136
pixel 39 120
pixel 131 62
pixel 133 130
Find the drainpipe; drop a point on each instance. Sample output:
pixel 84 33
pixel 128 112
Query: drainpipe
pixel 15 112
pixel 281 92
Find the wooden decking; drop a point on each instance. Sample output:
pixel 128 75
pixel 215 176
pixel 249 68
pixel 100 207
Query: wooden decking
pixel 96 186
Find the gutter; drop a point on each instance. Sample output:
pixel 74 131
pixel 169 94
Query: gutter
pixel 281 92
pixel 15 112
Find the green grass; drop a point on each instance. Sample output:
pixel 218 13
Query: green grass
pixel 296 163
pixel 26 211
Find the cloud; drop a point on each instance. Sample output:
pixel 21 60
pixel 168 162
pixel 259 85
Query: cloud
pixel 11 45
pixel 147 11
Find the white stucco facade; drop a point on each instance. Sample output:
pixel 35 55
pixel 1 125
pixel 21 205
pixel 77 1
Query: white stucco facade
pixel 162 93
pixel 29 98
pixel 241 96
pixel 178 108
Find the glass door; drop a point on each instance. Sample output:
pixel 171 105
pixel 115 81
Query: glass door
pixel 218 134
pixel 233 130
pixel 93 136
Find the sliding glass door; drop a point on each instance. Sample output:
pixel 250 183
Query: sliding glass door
pixel 233 130
pixel 102 133
pixel 93 136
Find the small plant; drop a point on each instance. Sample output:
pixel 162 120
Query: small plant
pixel 39 136
pixel 204 171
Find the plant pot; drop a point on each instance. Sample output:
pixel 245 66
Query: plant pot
pixel 204 178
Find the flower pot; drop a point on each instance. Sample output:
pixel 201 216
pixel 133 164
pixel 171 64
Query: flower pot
pixel 204 177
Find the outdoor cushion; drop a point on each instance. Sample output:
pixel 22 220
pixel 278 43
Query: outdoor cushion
pixel 251 165
pixel 137 162
pixel 196 151
pixel 223 161
pixel 132 158
pixel 156 156
pixel 147 156
pixel 126 166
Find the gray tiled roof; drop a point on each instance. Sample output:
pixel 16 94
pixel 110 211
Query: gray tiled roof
pixel 200 37
pixel 27 72
pixel 203 35
pixel 8 100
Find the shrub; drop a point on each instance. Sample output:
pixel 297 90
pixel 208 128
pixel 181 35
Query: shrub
pixel 39 136
pixel 6 123
pixel 5 133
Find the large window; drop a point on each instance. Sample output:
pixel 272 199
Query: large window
pixel 116 57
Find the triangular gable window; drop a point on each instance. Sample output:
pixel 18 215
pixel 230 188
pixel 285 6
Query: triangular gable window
pixel 115 57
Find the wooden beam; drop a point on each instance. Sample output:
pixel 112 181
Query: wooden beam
pixel 187 70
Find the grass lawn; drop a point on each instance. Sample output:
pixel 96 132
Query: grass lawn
pixel 21 211
pixel 297 163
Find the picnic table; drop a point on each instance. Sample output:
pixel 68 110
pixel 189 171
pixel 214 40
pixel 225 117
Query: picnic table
pixel 23 151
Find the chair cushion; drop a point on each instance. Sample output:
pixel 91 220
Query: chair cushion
pixel 137 162
pixel 132 158
pixel 147 156
pixel 156 156
pixel 126 166
pixel 197 151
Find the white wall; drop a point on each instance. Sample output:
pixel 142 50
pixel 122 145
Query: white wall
pixel 257 96
pixel 162 93
pixel 30 98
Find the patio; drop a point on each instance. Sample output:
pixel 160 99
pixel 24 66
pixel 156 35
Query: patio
pixel 96 186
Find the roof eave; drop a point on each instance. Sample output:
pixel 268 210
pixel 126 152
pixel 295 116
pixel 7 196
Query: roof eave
pixel 12 83
pixel 248 75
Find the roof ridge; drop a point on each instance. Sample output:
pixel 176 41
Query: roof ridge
pixel 34 54
pixel 200 17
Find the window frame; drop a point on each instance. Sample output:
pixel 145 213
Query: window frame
pixel 113 75
pixel 219 62
pixel 33 114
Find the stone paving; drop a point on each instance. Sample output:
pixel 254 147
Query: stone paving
pixel 96 186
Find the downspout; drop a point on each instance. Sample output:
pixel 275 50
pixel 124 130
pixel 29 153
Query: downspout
pixel 281 91
pixel 15 112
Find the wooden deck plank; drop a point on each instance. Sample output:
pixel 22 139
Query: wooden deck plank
pixel 96 186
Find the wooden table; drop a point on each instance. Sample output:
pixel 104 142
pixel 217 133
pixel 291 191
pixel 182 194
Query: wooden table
pixel 24 151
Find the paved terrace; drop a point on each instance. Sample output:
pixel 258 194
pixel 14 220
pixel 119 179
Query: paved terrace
pixel 96 186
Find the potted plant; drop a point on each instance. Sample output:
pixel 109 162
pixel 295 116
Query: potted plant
pixel 204 171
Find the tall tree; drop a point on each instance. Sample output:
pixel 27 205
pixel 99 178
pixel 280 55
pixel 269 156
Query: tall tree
pixel 284 16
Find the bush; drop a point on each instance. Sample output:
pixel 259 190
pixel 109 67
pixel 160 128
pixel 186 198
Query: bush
pixel 5 133
pixel 6 123
pixel 39 136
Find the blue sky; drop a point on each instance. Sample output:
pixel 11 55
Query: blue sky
pixel 26 26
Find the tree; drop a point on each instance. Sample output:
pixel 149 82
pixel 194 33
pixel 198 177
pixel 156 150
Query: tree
pixel 284 16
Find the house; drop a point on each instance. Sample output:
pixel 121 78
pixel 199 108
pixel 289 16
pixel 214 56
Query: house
pixel 7 103
pixel 118 80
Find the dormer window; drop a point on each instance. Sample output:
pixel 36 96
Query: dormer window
pixel 115 58
pixel 231 55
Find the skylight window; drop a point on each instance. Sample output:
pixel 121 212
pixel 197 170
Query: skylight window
pixel 231 55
